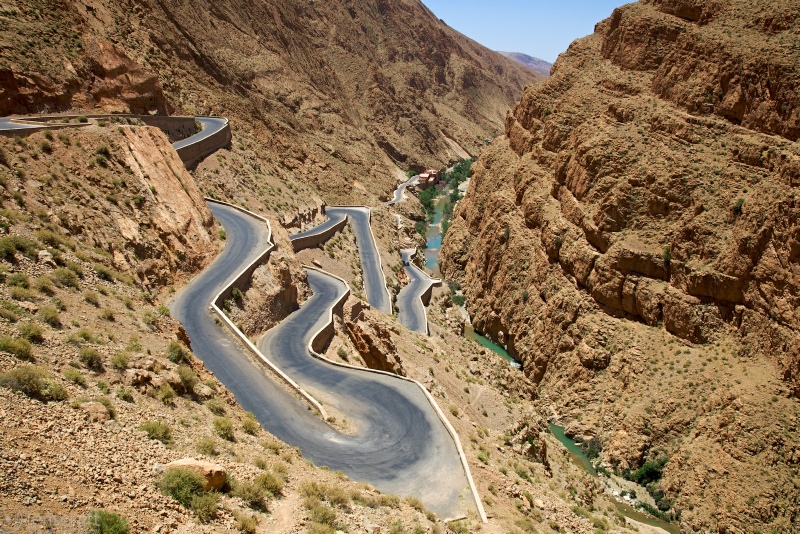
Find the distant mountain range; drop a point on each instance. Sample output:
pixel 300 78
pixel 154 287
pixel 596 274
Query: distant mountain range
pixel 533 63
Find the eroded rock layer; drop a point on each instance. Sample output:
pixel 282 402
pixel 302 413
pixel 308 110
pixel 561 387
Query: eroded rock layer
pixel 642 214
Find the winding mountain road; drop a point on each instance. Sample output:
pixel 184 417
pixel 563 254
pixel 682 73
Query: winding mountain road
pixel 374 280
pixel 401 189
pixel 412 313
pixel 400 443
pixel 211 125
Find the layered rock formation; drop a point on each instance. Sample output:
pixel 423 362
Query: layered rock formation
pixel 646 195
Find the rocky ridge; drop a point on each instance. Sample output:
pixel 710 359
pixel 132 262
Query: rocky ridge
pixel 636 227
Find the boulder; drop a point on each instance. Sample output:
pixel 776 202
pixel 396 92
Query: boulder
pixel 96 412
pixel 213 474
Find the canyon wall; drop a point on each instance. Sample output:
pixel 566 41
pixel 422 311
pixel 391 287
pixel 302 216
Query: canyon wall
pixel 641 212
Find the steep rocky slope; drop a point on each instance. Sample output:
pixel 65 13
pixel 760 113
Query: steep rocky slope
pixel 338 94
pixel 634 239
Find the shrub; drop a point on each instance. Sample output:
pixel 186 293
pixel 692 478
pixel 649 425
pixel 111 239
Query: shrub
pixel 216 406
pixel 149 318
pixel 65 277
pixel 246 523
pixel 50 316
pixel 54 239
pixel 250 425
pixel 271 484
pixel 251 493
pixel 188 379
pixel 176 353
pixel 76 267
pixel 124 394
pixel 224 428
pixel 7 249
pixel 83 119
pixel 107 314
pixel 163 311
pixel 207 446
pixel 31 331
pixel 75 376
pixel 104 522
pixel 134 344
pixel 458 300
pixel 120 361
pixel 737 208
pixel 102 385
pixel 19 280
pixel 158 430
pixel 205 506
pixel 20 348
pixel 104 273
pixel 90 358
pixel 43 285
pixel 20 293
pixel 91 297
pixel 166 394
pixel 26 246
pixel 319 513
pixel 34 382
pixel 181 484
pixel 648 472
pixel 84 335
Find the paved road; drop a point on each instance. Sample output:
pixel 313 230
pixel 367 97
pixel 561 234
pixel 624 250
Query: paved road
pixel 374 280
pixel 9 124
pixel 398 193
pixel 401 445
pixel 211 125
pixel 333 219
pixel 409 299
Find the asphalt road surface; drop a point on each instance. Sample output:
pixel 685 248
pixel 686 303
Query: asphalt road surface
pixel 398 193
pixel 409 299
pixel 400 445
pixel 333 220
pixel 374 281
pixel 211 125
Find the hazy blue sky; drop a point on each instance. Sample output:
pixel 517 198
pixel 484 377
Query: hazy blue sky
pixel 539 28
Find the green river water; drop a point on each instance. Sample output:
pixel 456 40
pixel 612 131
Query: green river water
pixel 581 460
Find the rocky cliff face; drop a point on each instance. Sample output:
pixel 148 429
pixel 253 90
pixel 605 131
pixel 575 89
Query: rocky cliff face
pixel 330 92
pixel 120 191
pixel 641 213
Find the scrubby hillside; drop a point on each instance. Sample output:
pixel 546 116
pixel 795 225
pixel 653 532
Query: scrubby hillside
pixel 634 239
pixel 99 390
pixel 335 94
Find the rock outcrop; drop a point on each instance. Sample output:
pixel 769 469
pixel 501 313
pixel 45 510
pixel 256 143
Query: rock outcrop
pixel 646 193
pixel 213 474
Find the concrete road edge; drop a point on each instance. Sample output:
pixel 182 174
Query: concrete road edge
pixel 431 400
